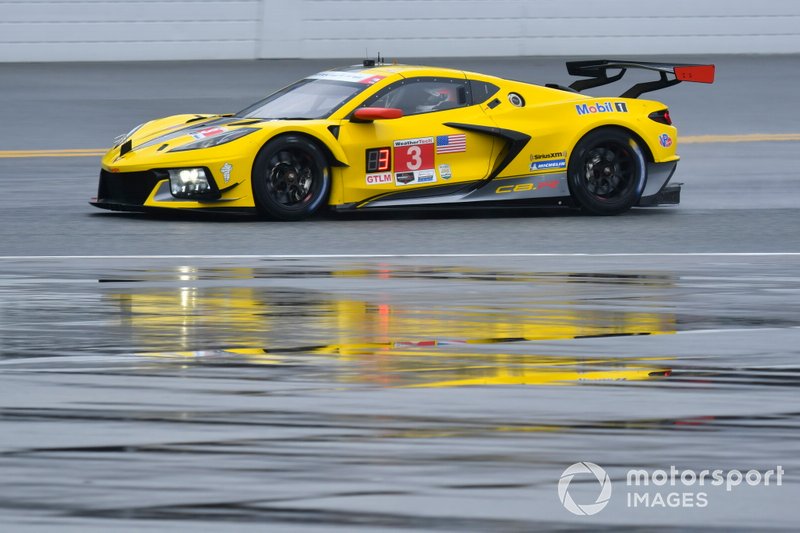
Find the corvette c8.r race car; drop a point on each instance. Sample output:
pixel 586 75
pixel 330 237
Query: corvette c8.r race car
pixel 379 136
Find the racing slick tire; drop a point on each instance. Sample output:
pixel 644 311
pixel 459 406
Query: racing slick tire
pixel 291 179
pixel 607 171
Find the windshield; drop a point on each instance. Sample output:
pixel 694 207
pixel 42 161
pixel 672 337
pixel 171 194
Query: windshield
pixel 306 99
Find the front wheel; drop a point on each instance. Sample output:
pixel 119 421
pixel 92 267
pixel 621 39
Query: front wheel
pixel 607 172
pixel 291 180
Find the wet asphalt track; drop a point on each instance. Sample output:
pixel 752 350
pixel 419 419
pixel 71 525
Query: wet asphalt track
pixel 443 392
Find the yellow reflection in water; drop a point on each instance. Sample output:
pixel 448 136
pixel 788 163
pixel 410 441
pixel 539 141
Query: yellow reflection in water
pixel 423 342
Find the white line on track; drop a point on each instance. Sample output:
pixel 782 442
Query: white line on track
pixel 403 256
pixel 734 330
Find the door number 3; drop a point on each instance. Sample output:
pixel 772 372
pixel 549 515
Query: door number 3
pixel 415 154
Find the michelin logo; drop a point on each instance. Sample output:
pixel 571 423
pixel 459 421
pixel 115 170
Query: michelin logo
pixel 553 164
pixel 589 109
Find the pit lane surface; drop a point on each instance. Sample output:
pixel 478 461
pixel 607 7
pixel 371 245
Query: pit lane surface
pixel 377 389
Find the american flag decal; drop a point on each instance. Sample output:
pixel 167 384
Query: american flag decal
pixel 448 144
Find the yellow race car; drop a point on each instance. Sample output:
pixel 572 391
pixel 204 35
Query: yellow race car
pixel 379 136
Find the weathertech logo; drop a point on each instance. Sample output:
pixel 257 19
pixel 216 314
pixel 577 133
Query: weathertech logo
pixel 586 509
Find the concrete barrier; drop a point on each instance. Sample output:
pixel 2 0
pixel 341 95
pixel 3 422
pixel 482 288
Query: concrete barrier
pixel 106 30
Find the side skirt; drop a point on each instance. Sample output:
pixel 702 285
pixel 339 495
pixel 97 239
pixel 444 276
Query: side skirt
pixel 533 187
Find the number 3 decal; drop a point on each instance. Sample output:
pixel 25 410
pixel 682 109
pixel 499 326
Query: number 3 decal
pixel 415 153
pixel 418 156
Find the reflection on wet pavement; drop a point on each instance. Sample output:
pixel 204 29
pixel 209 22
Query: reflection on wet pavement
pixel 389 341
pixel 382 394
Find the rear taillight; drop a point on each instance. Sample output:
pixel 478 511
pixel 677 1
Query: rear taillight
pixel 661 116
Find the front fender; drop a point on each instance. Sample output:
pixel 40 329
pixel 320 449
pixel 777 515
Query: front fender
pixel 320 132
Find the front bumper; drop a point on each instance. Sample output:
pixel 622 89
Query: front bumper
pixel 149 189
pixel 126 189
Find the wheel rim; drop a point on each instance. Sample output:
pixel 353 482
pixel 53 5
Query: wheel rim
pixel 290 178
pixel 609 170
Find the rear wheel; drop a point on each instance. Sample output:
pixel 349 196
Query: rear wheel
pixel 607 172
pixel 291 180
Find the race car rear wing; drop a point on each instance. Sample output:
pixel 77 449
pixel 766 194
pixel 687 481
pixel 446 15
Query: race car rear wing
pixel 670 74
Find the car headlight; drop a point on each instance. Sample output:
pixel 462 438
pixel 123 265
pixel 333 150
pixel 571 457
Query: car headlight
pixel 191 183
pixel 119 139
pixel 216 140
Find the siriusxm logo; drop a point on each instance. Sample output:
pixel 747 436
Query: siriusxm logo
pixel 589 109
pixel 549 165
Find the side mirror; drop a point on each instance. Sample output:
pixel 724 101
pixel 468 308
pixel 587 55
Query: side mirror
pixel 368 114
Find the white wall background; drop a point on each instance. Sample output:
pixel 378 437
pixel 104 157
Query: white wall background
pixel 91 30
